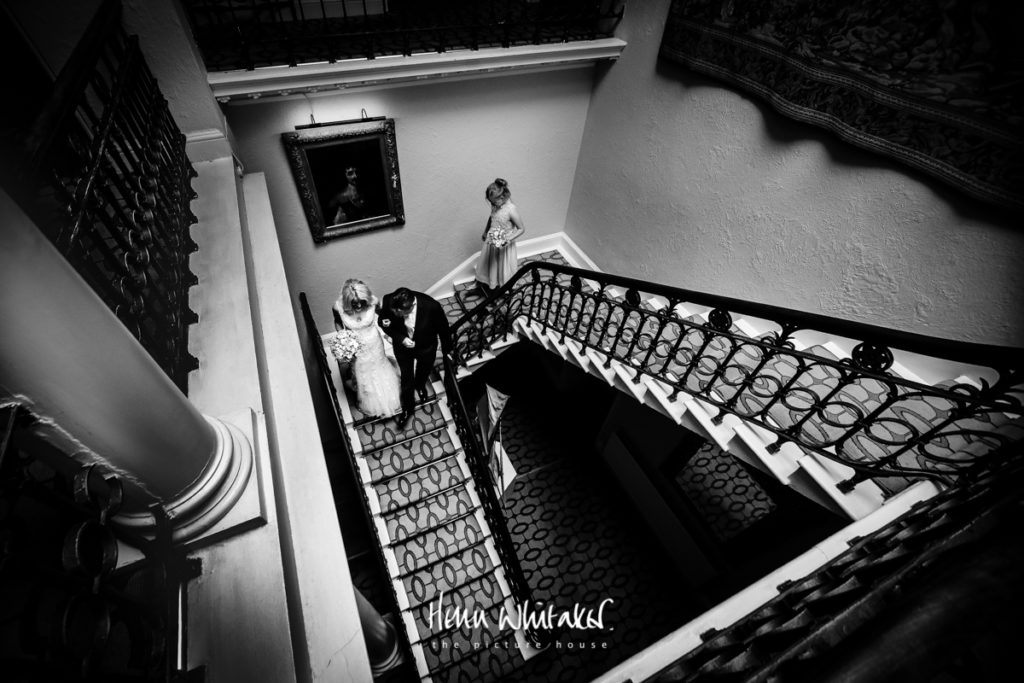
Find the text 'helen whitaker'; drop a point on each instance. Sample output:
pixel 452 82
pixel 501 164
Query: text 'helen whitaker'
pixel 523 617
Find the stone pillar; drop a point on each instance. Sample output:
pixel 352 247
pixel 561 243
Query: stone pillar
pixel 381 640
pixel 66 354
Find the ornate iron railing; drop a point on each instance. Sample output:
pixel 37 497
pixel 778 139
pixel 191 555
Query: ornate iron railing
pixel 245 34
pixel 477 459
pixel 107 179
pixel 851 407
pixel 68 612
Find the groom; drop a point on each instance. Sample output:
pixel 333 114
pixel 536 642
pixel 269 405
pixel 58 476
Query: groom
pixel 415 322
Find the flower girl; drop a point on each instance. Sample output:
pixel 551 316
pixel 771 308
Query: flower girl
pixel 498 258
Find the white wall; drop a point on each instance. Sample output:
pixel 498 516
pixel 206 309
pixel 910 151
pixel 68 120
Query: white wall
pixel 733 199
pixel 453 139
pixel 165 38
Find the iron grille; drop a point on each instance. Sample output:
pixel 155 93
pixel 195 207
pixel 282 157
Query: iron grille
pixel 244 34
pixel 108 181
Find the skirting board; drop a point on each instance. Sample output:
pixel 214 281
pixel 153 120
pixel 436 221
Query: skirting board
pixel 557 241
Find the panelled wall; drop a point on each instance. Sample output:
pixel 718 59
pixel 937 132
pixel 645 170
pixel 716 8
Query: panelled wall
pixel 453 139
pixel 683 181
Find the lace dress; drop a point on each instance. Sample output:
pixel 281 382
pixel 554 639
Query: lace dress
pixel 497 265
pixel 375 375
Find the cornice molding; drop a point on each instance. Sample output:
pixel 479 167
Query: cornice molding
pixel 282 81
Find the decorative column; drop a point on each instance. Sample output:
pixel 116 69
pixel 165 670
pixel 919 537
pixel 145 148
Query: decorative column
pixel 64 351
pixel 381 640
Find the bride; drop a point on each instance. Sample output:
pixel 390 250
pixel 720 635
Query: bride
pixel 375 376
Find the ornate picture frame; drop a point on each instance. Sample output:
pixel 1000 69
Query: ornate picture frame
pixel 347 176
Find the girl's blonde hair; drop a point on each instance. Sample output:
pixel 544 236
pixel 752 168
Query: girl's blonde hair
pixel 498 190
pixel 355 296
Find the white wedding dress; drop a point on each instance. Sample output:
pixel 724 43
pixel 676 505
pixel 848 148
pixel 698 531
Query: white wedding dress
pixel 376 376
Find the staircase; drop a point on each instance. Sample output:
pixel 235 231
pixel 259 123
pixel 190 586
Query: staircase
pixel 865 421
pixel 932 595
pixel 855 418
pixel 440 549
pixel 824 406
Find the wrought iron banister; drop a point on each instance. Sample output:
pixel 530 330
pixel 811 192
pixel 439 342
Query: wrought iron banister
pixel 243 34
pixel 488 491
pixel 965 352
pixel 107 179
pixel 854 410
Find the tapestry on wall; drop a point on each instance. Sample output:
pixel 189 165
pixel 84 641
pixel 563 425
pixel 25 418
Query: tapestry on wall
pixel 938 85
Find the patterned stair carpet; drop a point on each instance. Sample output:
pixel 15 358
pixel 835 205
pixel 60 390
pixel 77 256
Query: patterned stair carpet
pixel 437 545
pixel 580 543
pixel 723 492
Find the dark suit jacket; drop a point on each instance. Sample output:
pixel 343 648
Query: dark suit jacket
pixel 431 325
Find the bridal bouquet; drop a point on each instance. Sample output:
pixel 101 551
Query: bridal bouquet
pixel 345 346
pixel 498 237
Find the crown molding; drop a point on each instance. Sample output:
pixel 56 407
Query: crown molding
pixel 283 81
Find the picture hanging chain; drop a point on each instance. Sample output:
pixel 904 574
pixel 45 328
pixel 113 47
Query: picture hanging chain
pixel 363 118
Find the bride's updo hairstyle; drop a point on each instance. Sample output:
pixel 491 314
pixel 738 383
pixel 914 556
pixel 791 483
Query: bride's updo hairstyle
pixel 497 192
pixel 356 297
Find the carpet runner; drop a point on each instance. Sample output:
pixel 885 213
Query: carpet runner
pixel 436 542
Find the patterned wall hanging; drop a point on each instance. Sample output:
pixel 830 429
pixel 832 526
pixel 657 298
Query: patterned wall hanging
pixel 936 85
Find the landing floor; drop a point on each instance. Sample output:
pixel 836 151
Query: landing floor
pixel 580 543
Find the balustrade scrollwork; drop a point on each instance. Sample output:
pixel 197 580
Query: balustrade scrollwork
pixel 240 34
pixel 784 371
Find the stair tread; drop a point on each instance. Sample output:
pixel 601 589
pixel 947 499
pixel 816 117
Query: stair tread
pixel 395 460
pixel 428 514
pixel 445 540
pixel 361 419
pixel 433 618
pixel 420 483
pixel 384 433
pixel 452 309
pixel 467 565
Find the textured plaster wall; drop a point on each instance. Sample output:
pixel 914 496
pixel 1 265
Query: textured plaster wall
pixel 166 40
pixel 686 182
pixel 453 139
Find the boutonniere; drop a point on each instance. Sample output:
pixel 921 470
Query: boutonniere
pixel 385 322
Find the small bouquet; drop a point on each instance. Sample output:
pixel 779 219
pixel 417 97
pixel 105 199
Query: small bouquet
pixel 345 346
pixel 498 237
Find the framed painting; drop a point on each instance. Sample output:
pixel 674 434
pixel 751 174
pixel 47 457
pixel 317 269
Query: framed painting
pixel 347 176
